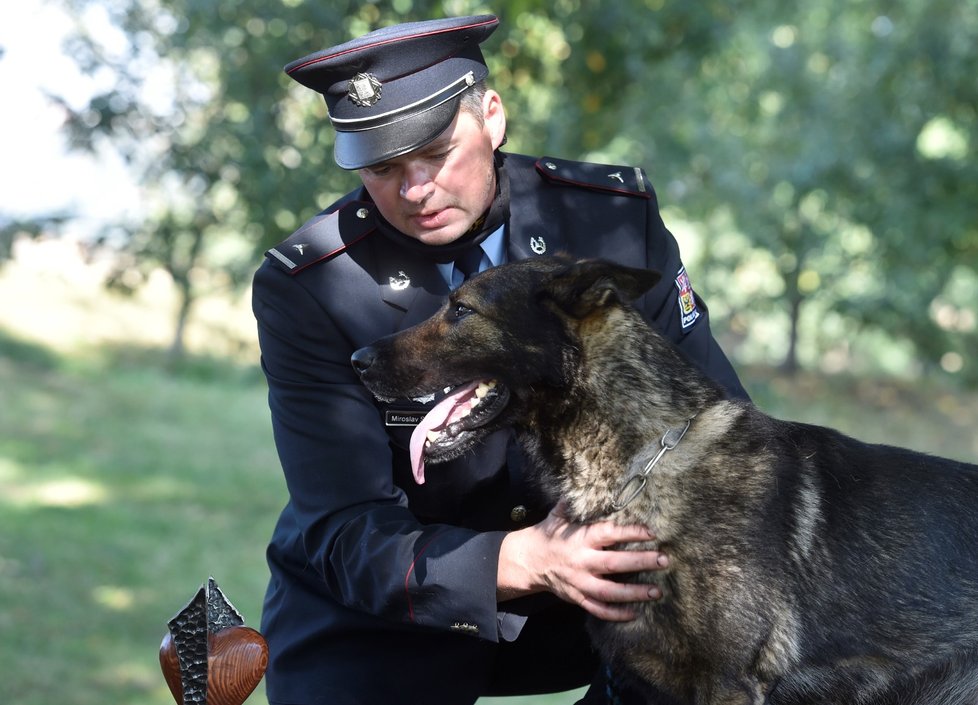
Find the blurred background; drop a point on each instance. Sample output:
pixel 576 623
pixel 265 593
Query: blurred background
pixel 816 161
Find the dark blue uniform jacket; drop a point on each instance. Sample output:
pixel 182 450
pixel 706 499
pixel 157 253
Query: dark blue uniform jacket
pixel 383 591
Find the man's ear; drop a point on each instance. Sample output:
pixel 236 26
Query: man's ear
pixel 494 117
pixel 588 285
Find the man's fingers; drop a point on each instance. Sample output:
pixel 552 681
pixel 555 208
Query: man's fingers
pixel 616 602
pixel 585 559
pixel 609 612
pixel 610 592
pixel 607 533
pixel 620 557
pixel 610 562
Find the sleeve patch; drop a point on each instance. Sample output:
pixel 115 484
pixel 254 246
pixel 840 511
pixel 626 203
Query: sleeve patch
pixel 688 312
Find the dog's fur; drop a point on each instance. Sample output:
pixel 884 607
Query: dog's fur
pixel 806 566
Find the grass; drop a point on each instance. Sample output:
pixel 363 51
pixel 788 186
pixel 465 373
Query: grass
pixel 123 486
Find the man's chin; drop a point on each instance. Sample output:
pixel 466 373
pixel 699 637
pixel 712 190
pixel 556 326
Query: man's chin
pixel 436 236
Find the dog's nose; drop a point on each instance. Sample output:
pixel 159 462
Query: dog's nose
pixel 363 358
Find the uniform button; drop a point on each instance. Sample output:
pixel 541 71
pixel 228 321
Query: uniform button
pixel 362 213
pixel 550 165
pixel 518 514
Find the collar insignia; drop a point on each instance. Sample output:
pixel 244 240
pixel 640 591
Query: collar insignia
pixel 400 282
pixel 364 90
pixel 538 245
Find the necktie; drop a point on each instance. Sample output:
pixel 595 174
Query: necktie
pixel 466 264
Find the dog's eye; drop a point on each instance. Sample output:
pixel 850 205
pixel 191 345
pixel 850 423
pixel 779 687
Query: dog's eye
pixel 461 311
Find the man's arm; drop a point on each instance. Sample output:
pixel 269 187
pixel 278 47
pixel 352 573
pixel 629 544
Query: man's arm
pixel 354 525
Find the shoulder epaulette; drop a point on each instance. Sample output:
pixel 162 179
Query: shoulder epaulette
pixel 324 237
pixel 627 180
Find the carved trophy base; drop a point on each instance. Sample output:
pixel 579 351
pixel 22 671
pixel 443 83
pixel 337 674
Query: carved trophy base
pixel 209 657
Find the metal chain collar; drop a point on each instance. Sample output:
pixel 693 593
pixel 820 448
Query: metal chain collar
pixel 633 486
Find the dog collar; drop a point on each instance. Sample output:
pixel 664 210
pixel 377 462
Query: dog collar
pixel 633 486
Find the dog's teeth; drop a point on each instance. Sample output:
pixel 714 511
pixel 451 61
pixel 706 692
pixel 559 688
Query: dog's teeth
pixel 484 388
pixel 433 436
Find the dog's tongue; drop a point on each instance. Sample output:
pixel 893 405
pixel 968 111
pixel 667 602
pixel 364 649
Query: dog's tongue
pixel 447 410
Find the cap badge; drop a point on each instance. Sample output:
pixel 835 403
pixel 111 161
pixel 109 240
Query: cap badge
pixel 364 90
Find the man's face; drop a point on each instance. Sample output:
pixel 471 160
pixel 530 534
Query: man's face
pixel 436 193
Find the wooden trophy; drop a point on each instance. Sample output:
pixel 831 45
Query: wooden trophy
pixel 208 656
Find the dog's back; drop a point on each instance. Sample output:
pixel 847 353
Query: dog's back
pixel 807 566
pixel 853 565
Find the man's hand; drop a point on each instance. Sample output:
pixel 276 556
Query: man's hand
pixel 573 562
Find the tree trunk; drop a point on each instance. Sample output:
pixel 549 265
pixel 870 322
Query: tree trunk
pixel 795 300
pixel 176 353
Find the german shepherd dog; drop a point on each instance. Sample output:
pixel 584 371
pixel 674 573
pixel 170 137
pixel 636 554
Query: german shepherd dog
pixel 805 566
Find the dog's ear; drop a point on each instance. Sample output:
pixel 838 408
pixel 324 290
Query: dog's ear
pixel 588 285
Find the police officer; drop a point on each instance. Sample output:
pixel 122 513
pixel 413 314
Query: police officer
pixel 384 591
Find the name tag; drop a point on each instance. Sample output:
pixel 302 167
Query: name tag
pixel 403 418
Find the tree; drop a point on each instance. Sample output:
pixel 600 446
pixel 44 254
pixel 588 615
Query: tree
pixel 829 138
pixel 231 157
pixel 235 156
pixel 811 143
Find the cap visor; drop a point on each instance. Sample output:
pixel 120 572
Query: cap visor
pixel 356 150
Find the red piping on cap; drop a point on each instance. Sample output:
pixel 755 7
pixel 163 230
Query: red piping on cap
pixel 390 41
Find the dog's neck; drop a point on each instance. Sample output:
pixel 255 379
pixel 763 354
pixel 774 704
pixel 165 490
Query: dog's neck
pixel 629 387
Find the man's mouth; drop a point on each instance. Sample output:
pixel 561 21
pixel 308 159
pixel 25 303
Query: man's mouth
pixel 454 422
pixel 430 219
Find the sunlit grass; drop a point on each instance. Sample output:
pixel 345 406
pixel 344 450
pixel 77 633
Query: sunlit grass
pixel 121 490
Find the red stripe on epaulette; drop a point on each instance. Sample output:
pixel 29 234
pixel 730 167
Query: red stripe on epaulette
pixel 559 171
pixel 326 256
pixel 324 237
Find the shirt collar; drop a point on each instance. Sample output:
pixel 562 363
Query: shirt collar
pixel 493 247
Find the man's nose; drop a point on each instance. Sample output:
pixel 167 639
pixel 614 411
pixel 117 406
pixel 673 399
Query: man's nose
pixel 417 183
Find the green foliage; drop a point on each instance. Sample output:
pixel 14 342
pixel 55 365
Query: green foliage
pixel 824 152
pixel 31 228
pixel 841 136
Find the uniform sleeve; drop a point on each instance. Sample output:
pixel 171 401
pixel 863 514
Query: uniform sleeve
pixel 675 309
pixel 354 527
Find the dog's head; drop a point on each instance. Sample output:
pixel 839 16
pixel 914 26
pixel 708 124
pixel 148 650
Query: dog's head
pixel 503 344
